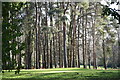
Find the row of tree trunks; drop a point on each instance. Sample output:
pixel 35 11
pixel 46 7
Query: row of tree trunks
pixel 48 50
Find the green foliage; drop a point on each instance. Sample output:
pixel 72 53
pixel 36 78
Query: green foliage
pixel 17 70
pixel 54 11
pixel 64 18
pixel 85 5
pixel 109 11
pixel 45 28
pixel 11 31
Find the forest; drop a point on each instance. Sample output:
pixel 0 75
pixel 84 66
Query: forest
pixel 74 37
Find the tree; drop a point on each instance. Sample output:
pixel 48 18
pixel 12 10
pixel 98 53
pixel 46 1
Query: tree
pixel 11 45
pixel 64 36
pixel 54 34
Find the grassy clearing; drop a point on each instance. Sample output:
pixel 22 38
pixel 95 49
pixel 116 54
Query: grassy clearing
pixel 63 74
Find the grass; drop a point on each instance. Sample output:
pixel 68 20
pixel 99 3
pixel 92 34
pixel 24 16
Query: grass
pixel 62 74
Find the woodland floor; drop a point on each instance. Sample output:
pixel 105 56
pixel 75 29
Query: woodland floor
pixel 63 74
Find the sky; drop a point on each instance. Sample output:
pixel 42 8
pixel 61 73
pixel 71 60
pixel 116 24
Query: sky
pixel 113 6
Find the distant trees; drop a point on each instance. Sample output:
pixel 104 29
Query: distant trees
pixel 107 11
pixel 56 34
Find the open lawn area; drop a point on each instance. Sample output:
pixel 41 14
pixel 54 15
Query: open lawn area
pixel 63 74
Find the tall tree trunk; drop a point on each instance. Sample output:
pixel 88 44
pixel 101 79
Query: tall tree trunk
pixel 94 53
pixel 113 56
pixel 44 52
pixel 64 45
pixel 54 50
pixel 78 65
pixel 89 59
pixel 64 41
pixel 74 42
pixel 47 48
pixel 51 54
pixel 39 48
pixel 51 45
pixel 59 40
pixel 59 51
pixel 19 55
pixel 85 47
pixel 46 23
pixel 89 50
pixel 83 41
pixel 36 31
pixel 71 41
pixel 104 55
pixel 29 50
pixel 39 36
pixel 119 47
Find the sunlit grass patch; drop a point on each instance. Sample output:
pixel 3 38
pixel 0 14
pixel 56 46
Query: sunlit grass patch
pixel 62 74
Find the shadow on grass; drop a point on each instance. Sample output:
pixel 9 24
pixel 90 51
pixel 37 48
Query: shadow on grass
pixel 91 78
pixel 85 74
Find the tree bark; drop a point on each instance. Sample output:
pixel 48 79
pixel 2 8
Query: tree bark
pixel 94 53
pixel 36 31
pixel 83 41
pixel 104 55
pixel 64 41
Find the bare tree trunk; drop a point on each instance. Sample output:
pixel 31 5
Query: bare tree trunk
pixel 47 52
pixel 54 50
pixel 78 42
pixel 36 30
pixel 19 56
pixel 113 56
pixel 59 40
pixel 64 45
pixel 39 48
pixel 59 52
pixel 85 47
pixel 118 47
pixel 69 46
pixel 83 41
pixel 71 41
pixel 89 50
pixel 46 23
pixel 39 37
pixel 89 59
pixel 74 42
pixel 64 41
pixel 44 52
pixel 28 47
pixel 51 54
pixel 104 55
pixel 29 50
pixel 94 53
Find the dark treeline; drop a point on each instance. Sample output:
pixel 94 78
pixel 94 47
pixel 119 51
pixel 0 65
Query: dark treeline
pixel 58 35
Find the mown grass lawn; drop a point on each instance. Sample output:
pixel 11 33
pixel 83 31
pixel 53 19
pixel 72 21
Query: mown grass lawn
pixel 63 74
